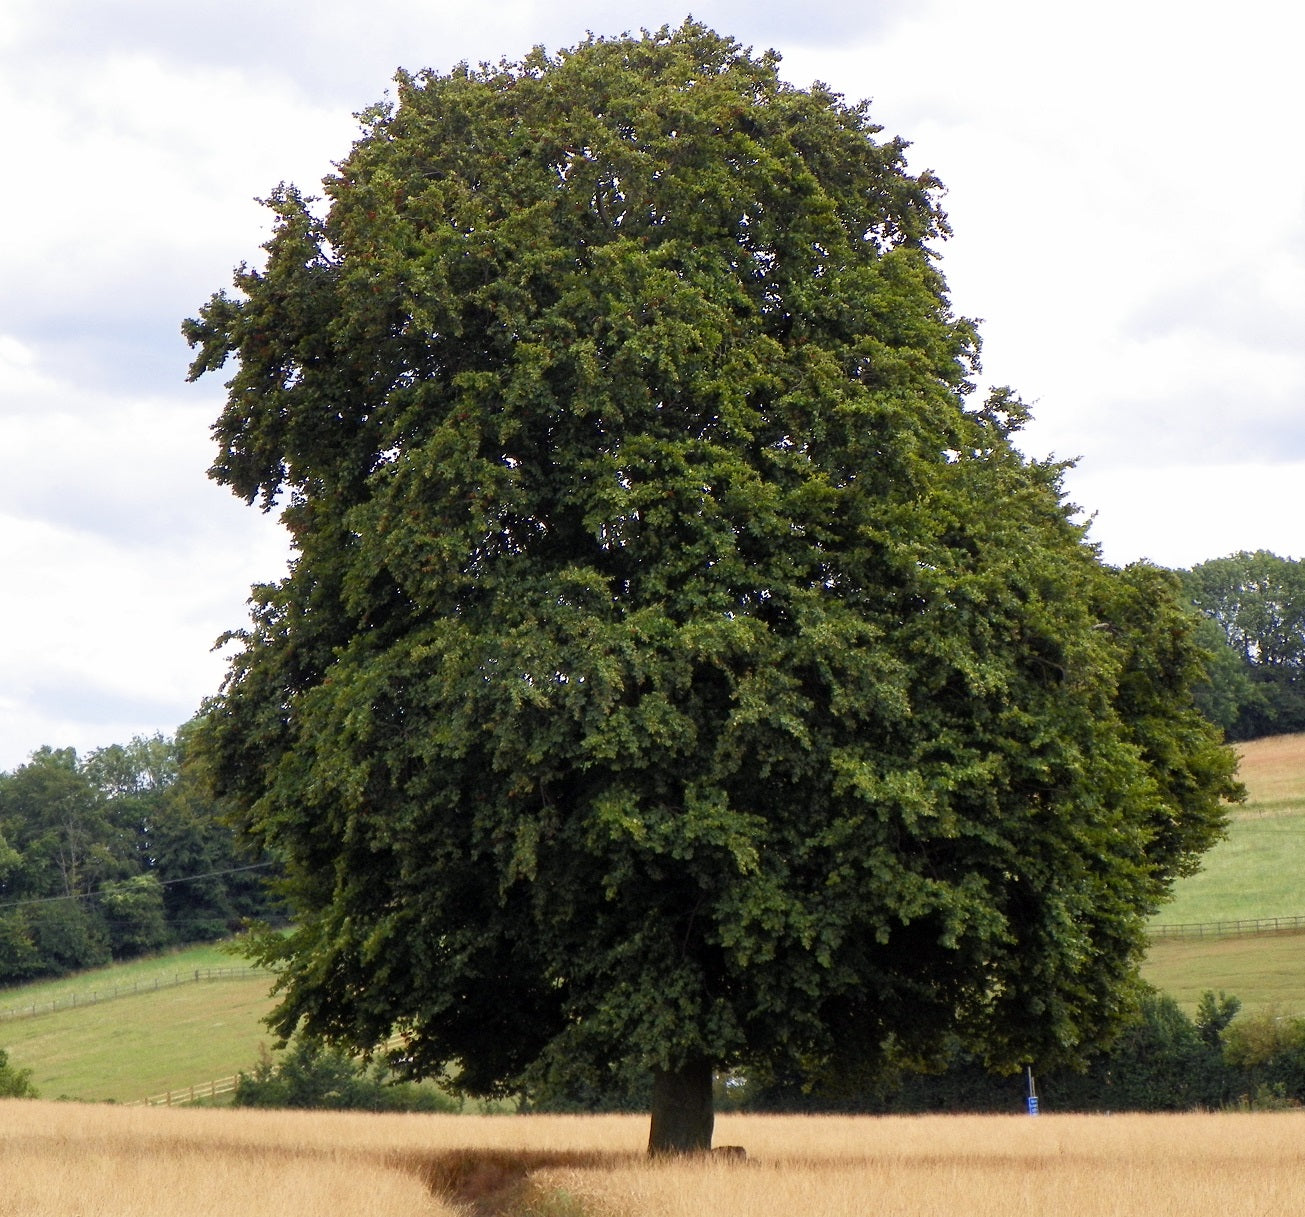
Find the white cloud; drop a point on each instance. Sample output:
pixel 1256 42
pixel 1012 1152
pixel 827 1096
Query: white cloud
pixel 103 640
pixel 137 199
pixel 20 378
pixel 1177 516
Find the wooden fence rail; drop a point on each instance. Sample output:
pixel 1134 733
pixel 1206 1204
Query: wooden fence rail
pixel 93 998
pixel 221 1086
pixel 189 1094
pixel 1230 929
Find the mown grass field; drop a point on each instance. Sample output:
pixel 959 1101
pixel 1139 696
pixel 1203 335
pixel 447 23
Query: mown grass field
pixel 1256 873
pixel 129 1047
pixel 121 976
pixel 114 1162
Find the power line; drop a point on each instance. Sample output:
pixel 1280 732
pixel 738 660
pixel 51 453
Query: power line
pixel 213 874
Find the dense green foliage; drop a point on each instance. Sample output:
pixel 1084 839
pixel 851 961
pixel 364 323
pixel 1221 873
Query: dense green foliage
pixel 113 855
pixel 313 1076
pixel 15 1083
pixel 1163 1060
pixel 676 665
pixel 1255 606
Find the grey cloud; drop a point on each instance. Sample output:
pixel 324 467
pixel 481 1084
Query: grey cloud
pixel 129 474
pixel 820 23
pixel 347 50
pixel 82 700
pixel 335 51
pixel 1190 428
pixel 106 314
pixel 1234 304
pixel 92 355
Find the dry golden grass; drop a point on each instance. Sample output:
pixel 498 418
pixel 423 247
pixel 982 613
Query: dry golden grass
pixel 1273 769
pixel 1104 1166
pixel 67 1159
pixel 70 1159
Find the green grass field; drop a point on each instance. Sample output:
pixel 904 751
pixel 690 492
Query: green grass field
pixel 130 1047
pixel 1256 873
pixel 1267 972
pixel 86 986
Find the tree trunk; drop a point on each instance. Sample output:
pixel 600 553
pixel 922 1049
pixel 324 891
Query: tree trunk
pixel 682 1109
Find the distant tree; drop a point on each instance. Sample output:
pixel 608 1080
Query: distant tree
pixel 20 959
pixel 676 666
pixel 59 825
pixel 1228 696
pixel 1214 1015
pixel 15 1083
pixel 1160 1063
pixel 163 805
pixel 60 848
pixel 134 915
pixel 313 1076
pixel 1162 1060
pixel 1256 601
pixel 115 854
pixel 1268 1050
pixel 68 935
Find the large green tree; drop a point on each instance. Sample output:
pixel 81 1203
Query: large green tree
pixel 675 665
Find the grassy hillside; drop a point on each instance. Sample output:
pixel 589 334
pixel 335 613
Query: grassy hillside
pixel 100 982
pixel 1262 972
pixel 127 1047
pixel 1255 873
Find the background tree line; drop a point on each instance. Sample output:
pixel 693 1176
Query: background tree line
pixel 1164 1060
pixel 115 854
pixel 1253 605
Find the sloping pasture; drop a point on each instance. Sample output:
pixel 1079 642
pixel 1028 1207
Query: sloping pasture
pixel 1264 972
pixel 1257 873
pixel 111 1034
pixel 134 1046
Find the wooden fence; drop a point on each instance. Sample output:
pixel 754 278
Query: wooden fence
pixel 1230 929
pixel 189 1094
pixel 221 1086
pixel 136 987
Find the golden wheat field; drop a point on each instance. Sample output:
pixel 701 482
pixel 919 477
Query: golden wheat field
pixel 1273 768
pixel 71 1159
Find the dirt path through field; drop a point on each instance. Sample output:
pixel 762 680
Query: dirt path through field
pixel 496 1182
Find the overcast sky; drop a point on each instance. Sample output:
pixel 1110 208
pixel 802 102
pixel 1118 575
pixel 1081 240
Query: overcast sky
pixel 1125 180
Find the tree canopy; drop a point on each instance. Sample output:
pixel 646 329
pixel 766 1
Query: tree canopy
pixel 1255 606
pixel 112 855
pixel 676 664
